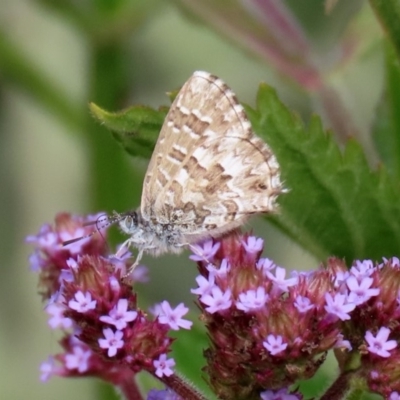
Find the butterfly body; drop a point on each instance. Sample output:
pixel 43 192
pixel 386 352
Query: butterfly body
pixel 150 237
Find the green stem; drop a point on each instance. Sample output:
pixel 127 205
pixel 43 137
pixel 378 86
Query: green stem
pixel 388 13
pixel 110 174
pixel 182 388
pixel 339 388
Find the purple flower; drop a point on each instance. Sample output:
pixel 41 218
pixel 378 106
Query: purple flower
pixel 217 300
pixel 113 341
pixel 36 261
pixel 205 285
pixel 274 344
pixel 340 277
pixel 279 279
pixel 362 268
pixel 265 265
pixel 121 260
pixel 338 306
pixel 253 244
pixel 119 316
pixel 341 343
pixel 165 394
pixel 78 359
pixel 140 274
pixel 281 394
pixel 252 299
pixel 360 292
pixel 164 366
pixel 205 251
pixel 220 272
pixel 83 302
pixel 394 396
pixel 173 317
pixel 45 239
pixel 395 261
pixel 66 275
pixel 72 264
pixel 114 284
pixel 47 369
pixel 155 309
pixel 57 319
pixel 380 344
pixel 303 304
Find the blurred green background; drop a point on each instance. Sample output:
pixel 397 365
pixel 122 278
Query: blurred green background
pixel 54 157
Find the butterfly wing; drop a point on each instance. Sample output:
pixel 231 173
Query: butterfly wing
pixel 208 171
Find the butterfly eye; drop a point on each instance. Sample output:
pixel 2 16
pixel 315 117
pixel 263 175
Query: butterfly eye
pixel 130 221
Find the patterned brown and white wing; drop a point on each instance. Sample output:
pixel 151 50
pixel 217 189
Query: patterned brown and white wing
pixel 208 171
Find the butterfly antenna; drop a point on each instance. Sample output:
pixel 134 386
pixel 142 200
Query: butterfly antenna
pixel 77 239
pixel 101 222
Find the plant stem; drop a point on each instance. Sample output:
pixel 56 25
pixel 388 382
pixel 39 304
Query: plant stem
pixel 109 170
pixel 182 388
pixel 339 388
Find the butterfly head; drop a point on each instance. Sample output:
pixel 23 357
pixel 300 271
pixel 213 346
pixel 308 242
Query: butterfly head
pixel 129 222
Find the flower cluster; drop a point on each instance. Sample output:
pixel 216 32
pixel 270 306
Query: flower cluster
pixel 50 256
pixel 89 297
pixel 267 330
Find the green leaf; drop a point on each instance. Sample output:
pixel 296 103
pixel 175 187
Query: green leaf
pixel 136 128
pixel 386 130
pixel 105 391
pixel 335 204
pixel 388 14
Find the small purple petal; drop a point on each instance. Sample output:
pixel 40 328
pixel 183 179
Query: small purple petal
pixel 274 344
pixel 164 366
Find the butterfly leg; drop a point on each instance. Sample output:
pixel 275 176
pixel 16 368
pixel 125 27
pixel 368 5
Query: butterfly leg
pixel 135 264
pixel 138 258
pixel 122 251
pixel 123 248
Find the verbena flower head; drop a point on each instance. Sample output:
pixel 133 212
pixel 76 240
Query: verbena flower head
pixel 269 330
pixel 262 334
pixel 105 316
pixel 106 334
pixel 375 330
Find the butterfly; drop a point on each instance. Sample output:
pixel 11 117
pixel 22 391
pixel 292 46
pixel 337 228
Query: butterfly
pixel 208 173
